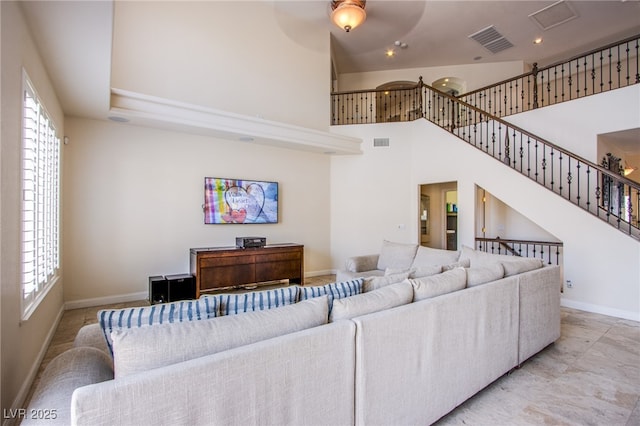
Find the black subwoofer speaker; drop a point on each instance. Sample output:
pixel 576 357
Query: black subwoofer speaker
pixel 171 288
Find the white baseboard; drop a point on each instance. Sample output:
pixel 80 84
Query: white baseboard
pixel 598 309
pixel 320 273
pixel 33 371
pixel 107 300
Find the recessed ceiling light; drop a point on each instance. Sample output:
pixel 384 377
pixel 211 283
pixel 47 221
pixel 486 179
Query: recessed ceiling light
pixel 390 53
pixel 537 40
pixel 477 58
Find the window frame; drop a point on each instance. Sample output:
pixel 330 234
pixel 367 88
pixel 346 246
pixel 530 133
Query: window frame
pixel 40 189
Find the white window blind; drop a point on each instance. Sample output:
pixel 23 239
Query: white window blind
pixel 40 201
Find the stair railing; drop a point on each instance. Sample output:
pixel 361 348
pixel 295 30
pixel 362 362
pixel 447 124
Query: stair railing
pixel 548 251
pixel 603 193
pixel 610 67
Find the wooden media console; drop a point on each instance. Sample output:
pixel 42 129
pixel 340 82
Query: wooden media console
pixel 220 267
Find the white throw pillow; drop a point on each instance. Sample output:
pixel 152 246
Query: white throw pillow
pixel 465 263
pixel 396 255
pixel 378 300
pixel 436 285
pixel 425 271
pixel 484 274
pixel 142 349
pixel 427 256
pixel 374 283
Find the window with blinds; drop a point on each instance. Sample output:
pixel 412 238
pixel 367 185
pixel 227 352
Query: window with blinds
pixel 40 201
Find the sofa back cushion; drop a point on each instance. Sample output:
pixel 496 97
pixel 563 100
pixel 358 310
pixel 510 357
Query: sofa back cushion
pixel 436 285
pixel 396 255
pixel 484 274
pixel 142 349
pixel 378 300
pixel 111 320
pixel 374 283
pixel 236 303
pixel 512 264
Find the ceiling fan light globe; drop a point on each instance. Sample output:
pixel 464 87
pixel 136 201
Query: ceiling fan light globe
pixel 348 15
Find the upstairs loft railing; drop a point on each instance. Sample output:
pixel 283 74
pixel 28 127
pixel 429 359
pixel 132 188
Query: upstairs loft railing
pixel 549 251
pixel 595 188
pixel 607 68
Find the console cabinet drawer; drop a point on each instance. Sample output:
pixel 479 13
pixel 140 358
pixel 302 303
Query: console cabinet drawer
pixel 212 261
pixel 285 256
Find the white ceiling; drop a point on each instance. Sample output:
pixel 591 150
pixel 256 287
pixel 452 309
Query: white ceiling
pixel 436 32
pixel 75 37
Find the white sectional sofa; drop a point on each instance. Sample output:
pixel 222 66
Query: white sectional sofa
pixel 395 349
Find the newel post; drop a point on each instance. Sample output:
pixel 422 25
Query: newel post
pixel 420 86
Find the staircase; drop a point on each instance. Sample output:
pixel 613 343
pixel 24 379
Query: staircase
pixel 600 189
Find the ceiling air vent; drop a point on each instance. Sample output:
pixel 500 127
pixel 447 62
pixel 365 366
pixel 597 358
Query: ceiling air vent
pixel 491 39
pixel 380 142
pixel 553 15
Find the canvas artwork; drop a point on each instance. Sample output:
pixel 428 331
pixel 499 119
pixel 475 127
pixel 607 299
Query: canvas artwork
pixel 240 201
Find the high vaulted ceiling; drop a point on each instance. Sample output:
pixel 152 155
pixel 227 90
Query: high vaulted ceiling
pixel 75 37
pixel 437 32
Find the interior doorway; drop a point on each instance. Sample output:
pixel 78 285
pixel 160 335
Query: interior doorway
pixel 438 215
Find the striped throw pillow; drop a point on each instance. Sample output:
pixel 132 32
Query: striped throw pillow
pixel 336 290
pixel 184 310
pixel 237 303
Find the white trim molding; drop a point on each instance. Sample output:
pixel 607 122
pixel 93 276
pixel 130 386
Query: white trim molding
pixel 151 111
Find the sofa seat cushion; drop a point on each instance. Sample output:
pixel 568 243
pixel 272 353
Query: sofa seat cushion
pixel 236 303
pixel 396 255
pixel 80 366
pixel 141 349
pixel 427 256
pixel 436 285
pixel 378 300
pixel 111 320
pixel 512 264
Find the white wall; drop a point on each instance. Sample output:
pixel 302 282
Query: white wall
pixel 475 76
pixel 245 65
pixel 133 197
pixel 601 262
pixel 23 342
pixel 505 222
pixel 576 125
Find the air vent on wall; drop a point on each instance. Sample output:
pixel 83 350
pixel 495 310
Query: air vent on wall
pixel 553 15
pixel 491 39
pixel 380 142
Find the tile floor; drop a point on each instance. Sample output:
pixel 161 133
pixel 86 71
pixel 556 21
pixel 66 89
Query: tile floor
pixel 590 376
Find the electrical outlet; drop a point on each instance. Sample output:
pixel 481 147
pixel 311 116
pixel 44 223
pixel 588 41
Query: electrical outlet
pixel 569 284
